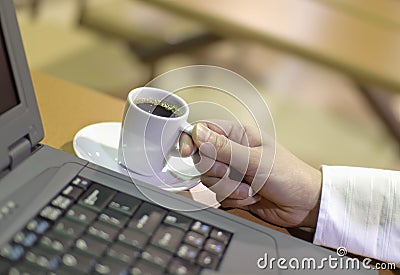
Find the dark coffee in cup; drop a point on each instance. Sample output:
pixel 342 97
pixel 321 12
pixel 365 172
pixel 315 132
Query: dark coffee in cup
pixel 158 107
pixel 152 123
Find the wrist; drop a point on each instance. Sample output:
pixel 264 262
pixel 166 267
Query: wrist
pixel 315 198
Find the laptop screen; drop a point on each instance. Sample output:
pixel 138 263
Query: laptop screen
pixel 19 114
pixel 8 92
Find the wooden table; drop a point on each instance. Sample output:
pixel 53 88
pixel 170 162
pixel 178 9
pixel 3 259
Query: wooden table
pixel 360 38
pixel 66 108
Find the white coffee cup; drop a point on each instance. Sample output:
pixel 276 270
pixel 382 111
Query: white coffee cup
pixel 148 139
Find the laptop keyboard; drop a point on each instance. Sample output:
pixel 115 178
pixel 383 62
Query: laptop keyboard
pixel 92 229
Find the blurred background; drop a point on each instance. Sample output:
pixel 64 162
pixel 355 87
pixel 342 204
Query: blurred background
pixel 112 46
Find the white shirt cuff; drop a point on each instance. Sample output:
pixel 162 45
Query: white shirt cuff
pixel 360 211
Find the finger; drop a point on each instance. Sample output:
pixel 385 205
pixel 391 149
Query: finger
pixel 217 169
pixel 226 187
pixel 211 168
pixel 203 163
pixel 196 157
pixel 240 133
pixel 186 145
pixel 244 204
pixel 213 144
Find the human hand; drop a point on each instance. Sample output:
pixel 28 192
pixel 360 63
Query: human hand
pixel 288 194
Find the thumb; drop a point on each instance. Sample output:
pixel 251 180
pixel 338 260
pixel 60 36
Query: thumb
pixel 221 148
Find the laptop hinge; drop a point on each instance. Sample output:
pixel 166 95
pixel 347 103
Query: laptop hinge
pixel 19 151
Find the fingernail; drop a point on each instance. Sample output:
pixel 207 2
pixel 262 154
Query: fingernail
pixel 243 192
pixel 184 149
pixel 252 200
pixel 251 192
pixel 203 133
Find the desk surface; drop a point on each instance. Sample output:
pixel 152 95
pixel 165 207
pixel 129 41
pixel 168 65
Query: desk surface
pixel 360 40
pixel 66 108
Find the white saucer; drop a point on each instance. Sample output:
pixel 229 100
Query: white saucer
pixel 98 143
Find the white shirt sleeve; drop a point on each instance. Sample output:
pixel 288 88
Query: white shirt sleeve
pixel 360 211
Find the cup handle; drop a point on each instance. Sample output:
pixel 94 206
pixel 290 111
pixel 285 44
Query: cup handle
pixel 187 128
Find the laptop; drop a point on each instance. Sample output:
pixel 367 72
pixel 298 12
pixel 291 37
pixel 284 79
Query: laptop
pixel 63 215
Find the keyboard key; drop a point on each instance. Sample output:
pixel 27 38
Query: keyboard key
pixel 24 268
pixel 181 267
pixel 97 197
pixel 167 238
pixel 103 231
pixel 125 203
pixel 220 235
pixel 147 218
pixel 114 218
pixel 51 213
pixel 12 252
pixel 55 242
pixel 90 246
pixel 72 192
pixel 201 228
pixel 208 260
pixel 81 214
pixel 39 226
pixel 214 247
pixel 178 220
pixel 157 256
pixel 123 253
pixel 69 228
pixel 77 262
pixel 194 239
pixel 110 266
pixel 43 258
pixel 133 238
pixel 188 252
pixel 29 240
pixel 61 202
pixel 26 238
pixel 81 182
pixel 142 267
